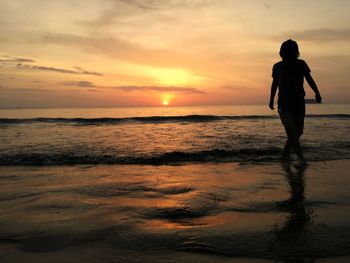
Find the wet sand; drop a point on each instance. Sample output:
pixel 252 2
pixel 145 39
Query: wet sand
pixel 212 212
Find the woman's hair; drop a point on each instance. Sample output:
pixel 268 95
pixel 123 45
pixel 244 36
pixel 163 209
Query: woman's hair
pixel 289 50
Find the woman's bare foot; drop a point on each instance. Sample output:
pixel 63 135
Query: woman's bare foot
pixel 302 161
pixel 285 156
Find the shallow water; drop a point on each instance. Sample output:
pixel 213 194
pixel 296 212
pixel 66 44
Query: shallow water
pixel 192 212
pixel 215 190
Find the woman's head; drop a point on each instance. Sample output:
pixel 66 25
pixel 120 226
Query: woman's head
pixel 289 50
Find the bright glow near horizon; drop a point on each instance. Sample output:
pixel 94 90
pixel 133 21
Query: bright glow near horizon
pixel 173 77
pixel 166 98
pixel 63 53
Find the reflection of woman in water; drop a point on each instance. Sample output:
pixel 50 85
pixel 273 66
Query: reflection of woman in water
pixel 291 239
pixel 288 76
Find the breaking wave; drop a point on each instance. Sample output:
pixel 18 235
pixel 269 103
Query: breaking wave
pixel 269 154
pixel 157 119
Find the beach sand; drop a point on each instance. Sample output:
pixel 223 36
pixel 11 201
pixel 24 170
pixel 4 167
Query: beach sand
pixel 214 212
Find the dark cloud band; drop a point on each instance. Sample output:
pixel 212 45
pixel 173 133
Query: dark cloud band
pixel 78 70
pixel 88 84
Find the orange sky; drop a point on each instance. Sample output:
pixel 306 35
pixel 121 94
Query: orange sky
pixel 89 53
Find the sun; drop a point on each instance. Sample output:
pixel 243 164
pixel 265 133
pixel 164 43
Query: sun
pixel 166 98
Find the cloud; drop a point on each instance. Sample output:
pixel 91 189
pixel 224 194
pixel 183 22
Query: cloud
pixel 29 90
pixel 119 49
pixel 94 90
pixel 320 35
pixel 160 88
pixel 116 10
pixel 83 71
pixel 9 59
pixel 119 9
pixel 112 46
pixel 82 84
pixel 59 70
pixel 161 4
pixel 23 89
pixel 151 5
pixel 89 84
pixel 266 5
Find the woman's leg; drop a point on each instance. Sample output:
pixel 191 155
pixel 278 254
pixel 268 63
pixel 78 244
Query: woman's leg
pixel 287 148
pixel 299 124
pixel 293 131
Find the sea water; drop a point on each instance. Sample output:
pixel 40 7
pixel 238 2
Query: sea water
pixel 165 135
pixel 172 184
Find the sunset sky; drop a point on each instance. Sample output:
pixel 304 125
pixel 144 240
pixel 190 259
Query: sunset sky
pixel 102 53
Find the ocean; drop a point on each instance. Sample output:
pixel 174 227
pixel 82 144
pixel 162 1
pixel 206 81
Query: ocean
pixel 165 135
pixel 172 184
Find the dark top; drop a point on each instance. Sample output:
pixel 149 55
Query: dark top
pixel 290 80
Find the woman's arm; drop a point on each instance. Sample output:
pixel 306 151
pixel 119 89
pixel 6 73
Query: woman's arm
pixel 273 92
pixel 313 86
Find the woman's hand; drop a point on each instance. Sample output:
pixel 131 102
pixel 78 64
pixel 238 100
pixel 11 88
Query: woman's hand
pixel 271 105
pixel 318 98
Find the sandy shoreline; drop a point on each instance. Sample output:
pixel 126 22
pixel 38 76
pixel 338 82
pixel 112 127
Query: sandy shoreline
pixel 188 213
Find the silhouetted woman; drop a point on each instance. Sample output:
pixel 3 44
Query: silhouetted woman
pixel 288 76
